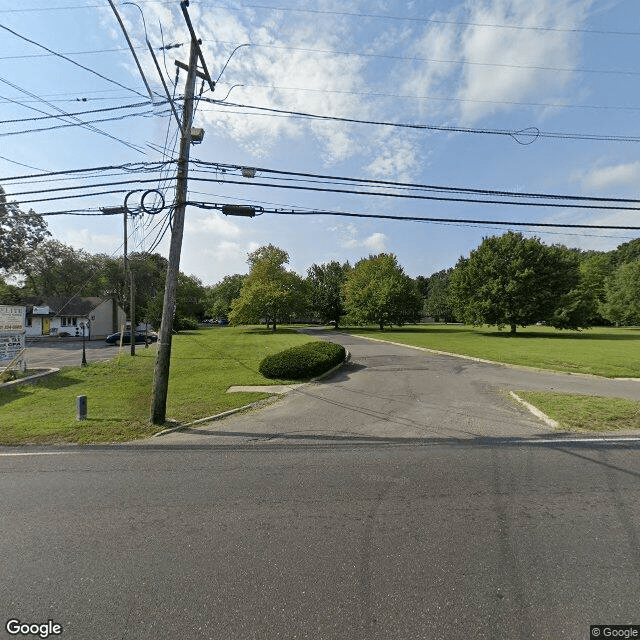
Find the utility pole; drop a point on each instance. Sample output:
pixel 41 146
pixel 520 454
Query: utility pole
pixel 163 358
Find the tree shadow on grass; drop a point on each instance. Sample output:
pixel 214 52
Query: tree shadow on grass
pixel 560 335
pixel 598 333
pixel 16 392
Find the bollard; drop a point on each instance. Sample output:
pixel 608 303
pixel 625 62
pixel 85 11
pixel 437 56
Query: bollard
pixel 81 404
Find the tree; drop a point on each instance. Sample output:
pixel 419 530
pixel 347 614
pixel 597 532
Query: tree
pixel 269 292
pixel 56 269
pixel 511 280
pixel 378 291
pixel 438 302
pixel 595 268
pixel 20 233
pixel 622 289
pixel 326 282
pixel 9 293
pixel 220 296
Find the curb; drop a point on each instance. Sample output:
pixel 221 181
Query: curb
pixel 253 405
pixel 29 379
pixel 535 411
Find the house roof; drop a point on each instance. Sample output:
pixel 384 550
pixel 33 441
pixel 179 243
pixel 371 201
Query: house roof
pixel 62 305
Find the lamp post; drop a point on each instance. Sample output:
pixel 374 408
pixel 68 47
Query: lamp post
pixel 84 352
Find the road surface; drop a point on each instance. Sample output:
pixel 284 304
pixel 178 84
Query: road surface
pixel 504 540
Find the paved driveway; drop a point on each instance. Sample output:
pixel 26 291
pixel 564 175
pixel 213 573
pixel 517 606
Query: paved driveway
pixel 395 392
pixel 65 353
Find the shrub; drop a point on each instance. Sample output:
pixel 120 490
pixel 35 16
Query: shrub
pixel 185 323
pixel 305 361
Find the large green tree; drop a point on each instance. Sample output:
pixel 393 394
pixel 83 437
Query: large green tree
pixel 438 301
pixel 515 281
pixel 56 269
pixel 269 292
pixel 622 289
pixel 220 296
pixel 20 233
pixel 327 298
pixel 377 290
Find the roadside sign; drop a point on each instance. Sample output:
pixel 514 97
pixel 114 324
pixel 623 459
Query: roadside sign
pixel 12 331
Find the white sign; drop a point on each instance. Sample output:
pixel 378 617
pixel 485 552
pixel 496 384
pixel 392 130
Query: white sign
pixel 12 319
pixel 12 322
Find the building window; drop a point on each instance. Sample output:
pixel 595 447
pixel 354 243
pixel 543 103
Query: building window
pixel 69 321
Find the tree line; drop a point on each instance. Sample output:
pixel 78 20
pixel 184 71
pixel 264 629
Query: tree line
pixel 507 281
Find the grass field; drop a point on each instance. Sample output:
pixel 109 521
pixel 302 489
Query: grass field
pixel 609 352
pixel 204 364
pixel 586 413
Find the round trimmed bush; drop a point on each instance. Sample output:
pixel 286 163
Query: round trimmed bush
pixel 305 361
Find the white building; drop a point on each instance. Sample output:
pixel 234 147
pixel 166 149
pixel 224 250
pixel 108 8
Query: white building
pixel 56 316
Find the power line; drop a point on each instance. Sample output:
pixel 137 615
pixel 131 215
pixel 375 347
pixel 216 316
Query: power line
pixel 130 166
pixel 522 136
pixel 239 7
pixel 83 113
pixel 261 210
pixel 328 179
pixel 432 20
pixel 85 123
pixel 516 203
pixel 77 64
pixel 359 54
pixel 64 114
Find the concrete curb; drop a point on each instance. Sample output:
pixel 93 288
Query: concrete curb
pixel 29 379
pixel 253 405
pixel 536 412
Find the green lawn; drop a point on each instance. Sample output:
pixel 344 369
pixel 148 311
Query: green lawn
pixel 204 364
pixel 609 352
pixel 586 413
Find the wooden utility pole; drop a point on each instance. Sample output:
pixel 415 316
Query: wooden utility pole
pixel 163 358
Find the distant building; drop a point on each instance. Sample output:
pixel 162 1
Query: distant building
pixel 61 316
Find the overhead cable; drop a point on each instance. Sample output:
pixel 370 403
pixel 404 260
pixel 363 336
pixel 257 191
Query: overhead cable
pixel 292 212
pixel 77 64
pixel 381 194
pixel 524 136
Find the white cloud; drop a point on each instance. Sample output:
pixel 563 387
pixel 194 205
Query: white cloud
pixel 619 175
pixel 484 67
pixel 375 242
pixel 399 156
pixel 349 238
pixel 212 223
pixel 485 86
pixel 83 238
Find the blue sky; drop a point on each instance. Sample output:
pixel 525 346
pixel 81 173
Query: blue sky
pixel 562 66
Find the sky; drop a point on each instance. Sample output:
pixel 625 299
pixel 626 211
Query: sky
pixel 479 76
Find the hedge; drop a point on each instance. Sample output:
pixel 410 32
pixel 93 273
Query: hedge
pixel 305 361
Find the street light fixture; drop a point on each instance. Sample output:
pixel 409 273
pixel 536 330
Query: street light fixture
pixel 84 352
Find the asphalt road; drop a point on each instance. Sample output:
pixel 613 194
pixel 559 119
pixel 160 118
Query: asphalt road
pixel 507 540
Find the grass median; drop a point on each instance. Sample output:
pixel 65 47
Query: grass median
pixel 586 413
pixel 204 364
pixel 608 351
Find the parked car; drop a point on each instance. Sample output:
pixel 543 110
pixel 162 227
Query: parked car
pixel 141 336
